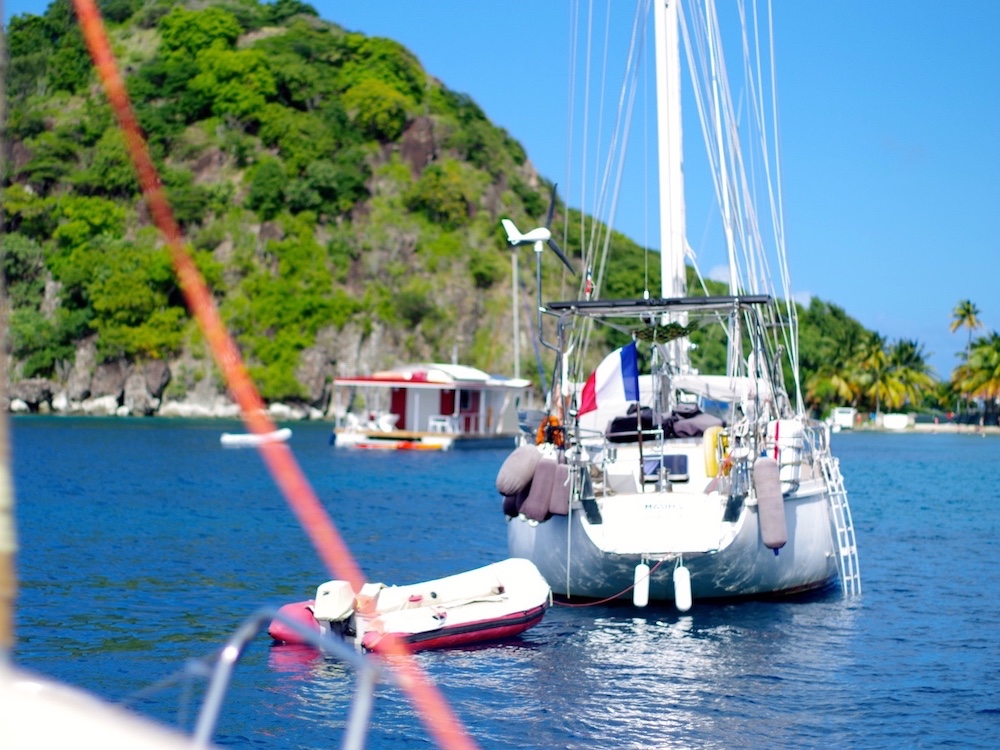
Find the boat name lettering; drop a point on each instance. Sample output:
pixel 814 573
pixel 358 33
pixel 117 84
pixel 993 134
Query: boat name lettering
pixel 662 506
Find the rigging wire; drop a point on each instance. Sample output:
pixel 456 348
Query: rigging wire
pixel 572 98
pixel 741 139
pixel 608 188
pixel 645 182
pixel 734 175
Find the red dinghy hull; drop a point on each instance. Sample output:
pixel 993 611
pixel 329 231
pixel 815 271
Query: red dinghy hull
pixel 467 634
pixel 300 613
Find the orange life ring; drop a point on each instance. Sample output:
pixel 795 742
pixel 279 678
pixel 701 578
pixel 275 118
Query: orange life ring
pixel 550 431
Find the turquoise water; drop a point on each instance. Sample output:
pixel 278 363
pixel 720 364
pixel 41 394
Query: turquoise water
pixel 144 544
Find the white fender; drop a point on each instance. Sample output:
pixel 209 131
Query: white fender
pixel 640 590
pixel 682 588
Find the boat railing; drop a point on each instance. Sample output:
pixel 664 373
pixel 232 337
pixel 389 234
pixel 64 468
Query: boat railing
pixel 817 438
pixel 218 669
pixel 632 436
pixel 653 440
pixel 589 437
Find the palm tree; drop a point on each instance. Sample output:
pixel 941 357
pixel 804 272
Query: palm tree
pixel 832 385
pixel 873 361
pixel 979 375
pixel 965 315
pixel 909 367
pixel 834 374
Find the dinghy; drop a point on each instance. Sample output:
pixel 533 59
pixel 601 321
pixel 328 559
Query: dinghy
pixel 486 604
pixel 252 440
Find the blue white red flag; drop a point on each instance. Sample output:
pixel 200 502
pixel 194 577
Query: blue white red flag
pixel 615 381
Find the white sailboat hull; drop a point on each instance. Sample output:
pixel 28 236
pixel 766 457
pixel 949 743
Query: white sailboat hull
pixel 580 559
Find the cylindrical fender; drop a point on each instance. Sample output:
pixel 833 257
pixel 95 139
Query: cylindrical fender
pixel 682 588
pixel 640 589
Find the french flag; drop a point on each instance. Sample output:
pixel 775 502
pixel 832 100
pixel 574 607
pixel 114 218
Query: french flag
pixel 615 381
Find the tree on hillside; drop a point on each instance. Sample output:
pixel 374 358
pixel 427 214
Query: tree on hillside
pixel 185 33
pixel 282 10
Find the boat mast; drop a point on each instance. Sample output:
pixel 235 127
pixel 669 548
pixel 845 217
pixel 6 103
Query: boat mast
pixel 673 236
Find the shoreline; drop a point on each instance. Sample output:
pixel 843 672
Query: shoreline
pixel 222 411
pixel 930 428
pixel 285 413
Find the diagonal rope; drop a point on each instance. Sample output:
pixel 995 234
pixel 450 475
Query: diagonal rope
pixel 278 457
pixel 613 597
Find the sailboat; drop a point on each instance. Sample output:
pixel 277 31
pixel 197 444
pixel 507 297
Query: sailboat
pixel 652 480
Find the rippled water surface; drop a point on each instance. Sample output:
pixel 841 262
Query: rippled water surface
pixel 144 544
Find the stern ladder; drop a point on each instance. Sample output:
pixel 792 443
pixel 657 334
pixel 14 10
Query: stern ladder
pixel 847 546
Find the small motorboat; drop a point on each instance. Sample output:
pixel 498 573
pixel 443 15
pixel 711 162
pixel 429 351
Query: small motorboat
pixel 491 603
pixel 418 443
pixel 252 439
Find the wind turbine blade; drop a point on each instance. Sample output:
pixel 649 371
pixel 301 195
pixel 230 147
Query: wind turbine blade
pixel 552 207
pixel 513 235
pixel 563 258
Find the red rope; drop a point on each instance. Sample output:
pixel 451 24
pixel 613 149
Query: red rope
pixel 613 596
pixel 284 469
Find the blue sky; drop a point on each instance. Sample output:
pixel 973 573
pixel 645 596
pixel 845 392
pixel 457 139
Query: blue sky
pixel 888 116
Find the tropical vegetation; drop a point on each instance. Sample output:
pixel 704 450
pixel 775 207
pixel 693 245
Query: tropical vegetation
pixel 978 377
pixel 342 204
pixel 332 192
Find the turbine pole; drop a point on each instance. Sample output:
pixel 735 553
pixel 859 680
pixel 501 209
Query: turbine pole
pixel 515 313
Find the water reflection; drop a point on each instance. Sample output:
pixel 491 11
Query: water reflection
pixel 618 677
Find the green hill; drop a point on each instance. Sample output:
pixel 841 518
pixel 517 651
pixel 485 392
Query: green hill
pixel 342 204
